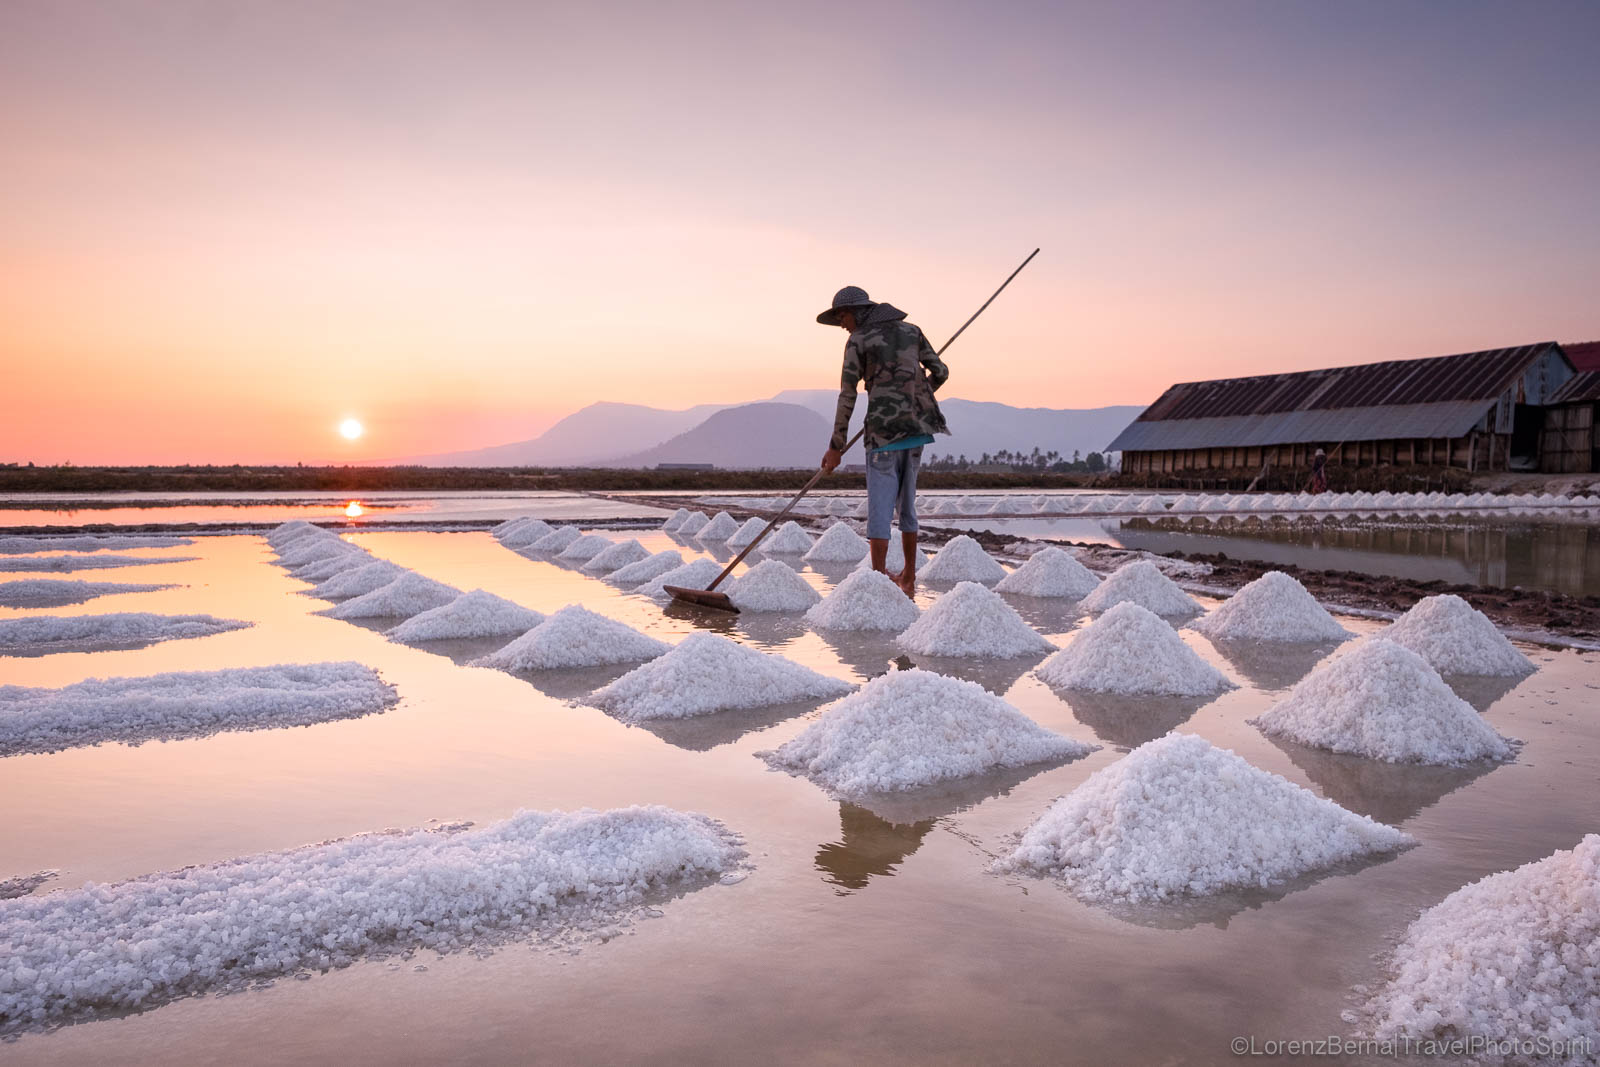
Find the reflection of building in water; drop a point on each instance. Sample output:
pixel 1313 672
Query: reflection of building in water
pixel 870 846
pixel 1559 556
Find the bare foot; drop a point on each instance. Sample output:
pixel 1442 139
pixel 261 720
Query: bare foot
pixel 907 581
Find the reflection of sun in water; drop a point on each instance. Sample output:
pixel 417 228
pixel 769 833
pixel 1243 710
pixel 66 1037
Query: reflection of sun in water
pixel 351 429
pixel 354 509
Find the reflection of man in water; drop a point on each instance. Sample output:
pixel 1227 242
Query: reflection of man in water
pixel 1319 472
pixel 871 846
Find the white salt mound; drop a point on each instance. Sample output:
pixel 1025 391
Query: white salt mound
pixel 747 533
pixel 1143 583
pixel 586 547
pixel 409 594
pixel 675 520
pixel 527 534
pixel 771 585
pixel 865 600
pixel 912 728
pixel 186 704
pixel 1456 638
pixel 1050 572
pixel 1383 701
pixel 1274 607
pixel 222 926
pixel 63 564
pixel 790 539
pixel 971 621
pixel 574 637
pixel 696 574
pixel 475 614
pixel 1178 817
pixel 721 527
pixel 1511 957
pixel 286 531
pixel 707 673
pixel 310 549
pixel 962 560
pixel 646 569
pixel 557 540
pixel 617 556
pixel 838 544
pixel 1131 650
pixel 693 524
pixel 89 633
pixel 323 569
pixel 55 592
pixel 358 580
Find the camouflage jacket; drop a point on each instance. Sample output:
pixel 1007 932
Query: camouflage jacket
pixel 901 372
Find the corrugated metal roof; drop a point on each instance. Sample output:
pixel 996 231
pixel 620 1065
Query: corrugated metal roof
pixel 1585 355
pixel 1583 386
pixel 1439 396
pixel 1454 419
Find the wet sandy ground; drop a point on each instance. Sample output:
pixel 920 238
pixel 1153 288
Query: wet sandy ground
pixel 866 932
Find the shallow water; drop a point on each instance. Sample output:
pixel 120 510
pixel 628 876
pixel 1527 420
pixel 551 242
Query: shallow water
pixel 866 933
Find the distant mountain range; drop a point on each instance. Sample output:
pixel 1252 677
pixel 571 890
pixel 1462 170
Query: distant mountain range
pixel 788 430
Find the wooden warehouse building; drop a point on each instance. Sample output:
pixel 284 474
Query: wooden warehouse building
pixel 1477 411
pixel 1569 445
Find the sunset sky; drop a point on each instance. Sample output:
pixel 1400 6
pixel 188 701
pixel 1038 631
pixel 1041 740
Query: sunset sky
pixel 225 227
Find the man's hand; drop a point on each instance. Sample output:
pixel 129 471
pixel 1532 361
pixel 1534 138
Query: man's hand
pixel 831 459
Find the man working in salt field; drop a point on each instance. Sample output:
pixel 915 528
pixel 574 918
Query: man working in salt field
pixel 902 373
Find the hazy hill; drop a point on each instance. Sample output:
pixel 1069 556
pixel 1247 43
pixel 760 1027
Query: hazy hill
pixel 754 435
pixel 608 434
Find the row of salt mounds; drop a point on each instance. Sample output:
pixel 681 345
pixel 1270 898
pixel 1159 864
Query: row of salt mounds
pixel 1177 816
pixel 286 531
pixel 838 544
pixel 65 564
pixel 675 520
pixel 89 633
pixel 646 569
pixel 1131 650
pixel 58 592
pixel 865 600
pixel 358 580
pixel 16 546
pixel 707 673
pixel 1384 702
pixel 310 549
pixel 771 585
pixel 1050 572
pixel 895 559
pixel 696 522
pixel 1153 505
pixel 558 540
pixel 186 704
pixel 1456 638
pixel 409 594
pixel 528 534
pixel 341 563
pixel 1274 607
pixel 221 926
pixel 747 533
pixel 721 527
pixel 1010 505
pixel 1514 956
pixel 913 728
pixel 962 560
pixel 696 574
pixel 616 557
pixel 585 548
pixel 971 621
pixel 475 614
pixel 574 637
pixel 1143 583
pixel 790 539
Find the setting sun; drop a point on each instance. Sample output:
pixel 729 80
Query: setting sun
pixel 351 429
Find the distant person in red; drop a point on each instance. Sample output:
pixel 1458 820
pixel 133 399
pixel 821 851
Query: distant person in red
pixel 1319 472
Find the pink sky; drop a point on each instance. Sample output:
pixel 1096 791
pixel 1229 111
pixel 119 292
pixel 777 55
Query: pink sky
pixel 226 227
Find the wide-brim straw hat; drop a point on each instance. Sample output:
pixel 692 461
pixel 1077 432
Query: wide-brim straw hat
pixel 847 299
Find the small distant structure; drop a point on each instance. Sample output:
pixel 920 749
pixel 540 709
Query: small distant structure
pixel 1569 445
pixel 1478 410
pixel 686 466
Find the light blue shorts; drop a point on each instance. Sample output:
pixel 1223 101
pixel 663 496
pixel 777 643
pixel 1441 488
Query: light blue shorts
pixel 892 489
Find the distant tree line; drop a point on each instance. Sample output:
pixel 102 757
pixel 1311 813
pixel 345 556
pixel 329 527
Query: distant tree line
pixel 1050 462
